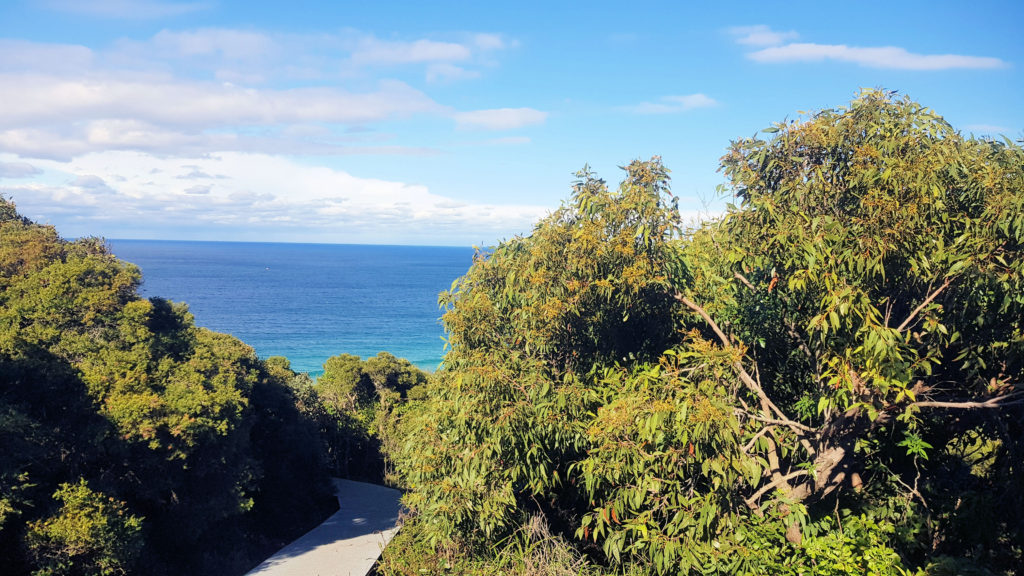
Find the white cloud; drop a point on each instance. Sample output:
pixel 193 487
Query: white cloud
pixel 18 170
pixel 500 118
pixel 256 57
pixel 32 99
pixel 125 9
pixel 61 143
pixel 264 195
pixel 891 57
pixel 513 140
pixel 180 92
pixel 760 35
pixel 214 42
pixel 23 55
pixel 987 129
pixel 148 134
pixel 370 50
pixel 674 104
pixel 489 41
pixel 445 71
pixel 91 182
pixel 58 117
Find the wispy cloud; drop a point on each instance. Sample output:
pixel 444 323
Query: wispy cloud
pixel 125 9
pixel 673 104
pixel 509 140
pixel 232 45
pixel 26 56
pixel 774 46
pixel 371 50
pixel 987 129
pixel 760 35
pixel 45 99
pixel 453 59
pixel 500 118
pixel 18 170
pixel 445 71
pixel 259 57
pixel 489 42
pixel 890 57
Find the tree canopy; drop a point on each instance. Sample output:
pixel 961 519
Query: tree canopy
pixel 825 379
pixel 132 439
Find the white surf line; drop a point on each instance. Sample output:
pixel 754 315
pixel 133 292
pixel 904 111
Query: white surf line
pixel 346 544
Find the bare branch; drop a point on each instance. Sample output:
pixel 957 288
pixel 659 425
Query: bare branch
pixel 743 279
pixel 783 480
pixel 921 306
pixel 726 341
pixel 787 422
pixel 766 403
pixel 997 402
pixel 756 437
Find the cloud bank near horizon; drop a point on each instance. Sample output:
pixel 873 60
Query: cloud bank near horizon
pixel 257 197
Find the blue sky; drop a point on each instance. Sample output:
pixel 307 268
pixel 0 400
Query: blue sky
pixel 444 123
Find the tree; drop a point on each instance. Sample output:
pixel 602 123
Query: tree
pixel 528 326
pixel 364 398
pixel 186 430
pixel 871 283
pixel 804 384
pixel 344 385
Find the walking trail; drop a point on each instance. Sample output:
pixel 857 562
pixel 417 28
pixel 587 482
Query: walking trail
pixel 346 544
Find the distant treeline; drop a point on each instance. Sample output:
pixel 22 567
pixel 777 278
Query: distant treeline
pixel 132 441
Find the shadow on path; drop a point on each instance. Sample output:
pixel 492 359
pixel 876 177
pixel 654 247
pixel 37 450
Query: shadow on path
pixel 346 544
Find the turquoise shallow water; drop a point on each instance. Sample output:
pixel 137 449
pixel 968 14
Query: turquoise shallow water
pixel 307 301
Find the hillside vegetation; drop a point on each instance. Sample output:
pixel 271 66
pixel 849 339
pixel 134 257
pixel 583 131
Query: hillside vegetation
pixel 826 379
pixel 132 441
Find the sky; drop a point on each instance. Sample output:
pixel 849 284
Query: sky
pixel 441 123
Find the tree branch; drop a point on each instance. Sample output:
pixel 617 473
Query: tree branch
pixel 752 501
pixel 997 402
pixel 921 306
pixel 745 377
pixel 789 423
pixel 743 279
pixel 750 444
pixel 726 341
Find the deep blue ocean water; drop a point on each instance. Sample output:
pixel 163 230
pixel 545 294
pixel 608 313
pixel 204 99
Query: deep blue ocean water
pixel 307 301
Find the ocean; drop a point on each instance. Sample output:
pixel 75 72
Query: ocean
pixel 307 302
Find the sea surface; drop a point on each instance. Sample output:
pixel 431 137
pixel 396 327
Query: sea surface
pixel 307 301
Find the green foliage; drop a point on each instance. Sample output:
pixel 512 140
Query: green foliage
pixel 893 245
pixel 364 400
pixel 529 320
pixel 531 551
pixel 825 380
pixel 181 426
pixel 91 534
pixel 344 385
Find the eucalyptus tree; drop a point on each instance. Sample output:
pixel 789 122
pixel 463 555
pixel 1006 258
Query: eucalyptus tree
pixel 826 378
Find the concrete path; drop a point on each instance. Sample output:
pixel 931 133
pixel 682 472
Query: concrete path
pixel 346 544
